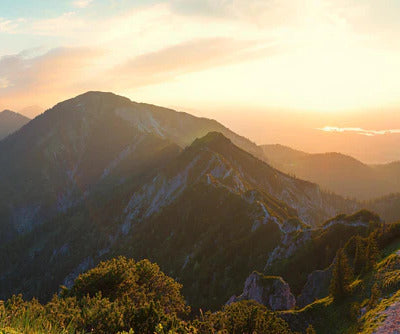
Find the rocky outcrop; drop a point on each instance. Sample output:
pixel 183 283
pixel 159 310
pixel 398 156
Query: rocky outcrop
pixel 316 287
pixel 271 291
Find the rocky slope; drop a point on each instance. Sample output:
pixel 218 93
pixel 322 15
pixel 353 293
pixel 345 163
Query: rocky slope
pixel 91 141
pixel 306 250
pixel 270 291
pixel 316 287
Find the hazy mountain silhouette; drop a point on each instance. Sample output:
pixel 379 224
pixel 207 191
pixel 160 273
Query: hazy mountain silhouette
pixel 10 122
pixel 337 172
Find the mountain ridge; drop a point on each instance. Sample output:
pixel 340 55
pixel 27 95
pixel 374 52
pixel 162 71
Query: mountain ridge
pixel 337 172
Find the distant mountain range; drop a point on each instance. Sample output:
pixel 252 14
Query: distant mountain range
pixel 98 176
pixel 10 122
pixel 337 172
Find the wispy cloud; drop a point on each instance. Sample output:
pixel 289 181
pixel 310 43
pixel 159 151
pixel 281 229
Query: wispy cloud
pixel 4 83
pixel 264 12
pixel 65 24
pixel 29 79
pixel 9 26
pixel 63 71
pixel 81 3
pixel 360 131
pixel 189 56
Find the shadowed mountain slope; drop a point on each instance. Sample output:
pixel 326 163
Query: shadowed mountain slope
pixel 85 142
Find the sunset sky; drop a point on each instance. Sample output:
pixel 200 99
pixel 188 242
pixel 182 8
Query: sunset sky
pixel 286 63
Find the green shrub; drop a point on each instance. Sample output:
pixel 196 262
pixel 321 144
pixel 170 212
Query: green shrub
pixel 242 317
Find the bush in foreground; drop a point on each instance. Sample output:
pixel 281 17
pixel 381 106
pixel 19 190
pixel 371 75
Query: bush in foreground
pixel 124 296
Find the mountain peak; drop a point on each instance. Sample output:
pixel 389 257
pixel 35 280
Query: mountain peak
pixel 95 93
pixel 9 113
pixel 211 139
pixel 97 99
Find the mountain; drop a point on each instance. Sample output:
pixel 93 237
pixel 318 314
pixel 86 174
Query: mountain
pixel 94 140
pixel 10 122
pixel 210 212
pixel 337 172
pixel 103 176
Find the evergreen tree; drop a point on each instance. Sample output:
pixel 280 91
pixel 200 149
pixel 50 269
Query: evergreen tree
pixel 341 277
pixel 372 253
pixel 359 256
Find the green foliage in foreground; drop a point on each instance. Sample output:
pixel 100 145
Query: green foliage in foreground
pixel 358 302
pixel 242 317
pixel 124 296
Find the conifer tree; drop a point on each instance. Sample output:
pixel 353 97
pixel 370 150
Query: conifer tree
pixel 359 256
pixel 372 253
pixel 341 277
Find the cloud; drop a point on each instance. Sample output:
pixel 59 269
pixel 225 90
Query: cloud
pixel 4 83
pixel 65 24
pixel 260 12
pixel 81 3
pixel 360 131
pixel 9 26
pixel 31 78
pixel 34 79
pixel 187 57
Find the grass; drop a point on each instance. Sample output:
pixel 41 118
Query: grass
pixel 327 317
pixel 8 331
pixel 27 318
pixel 374 317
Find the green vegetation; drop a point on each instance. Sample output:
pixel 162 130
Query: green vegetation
pixel 124 296
pixel 320 248
pixel 341 277
pixel 242 317
pixel 359 302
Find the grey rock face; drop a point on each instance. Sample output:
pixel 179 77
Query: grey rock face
pixel 316 287
pixel 271 291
